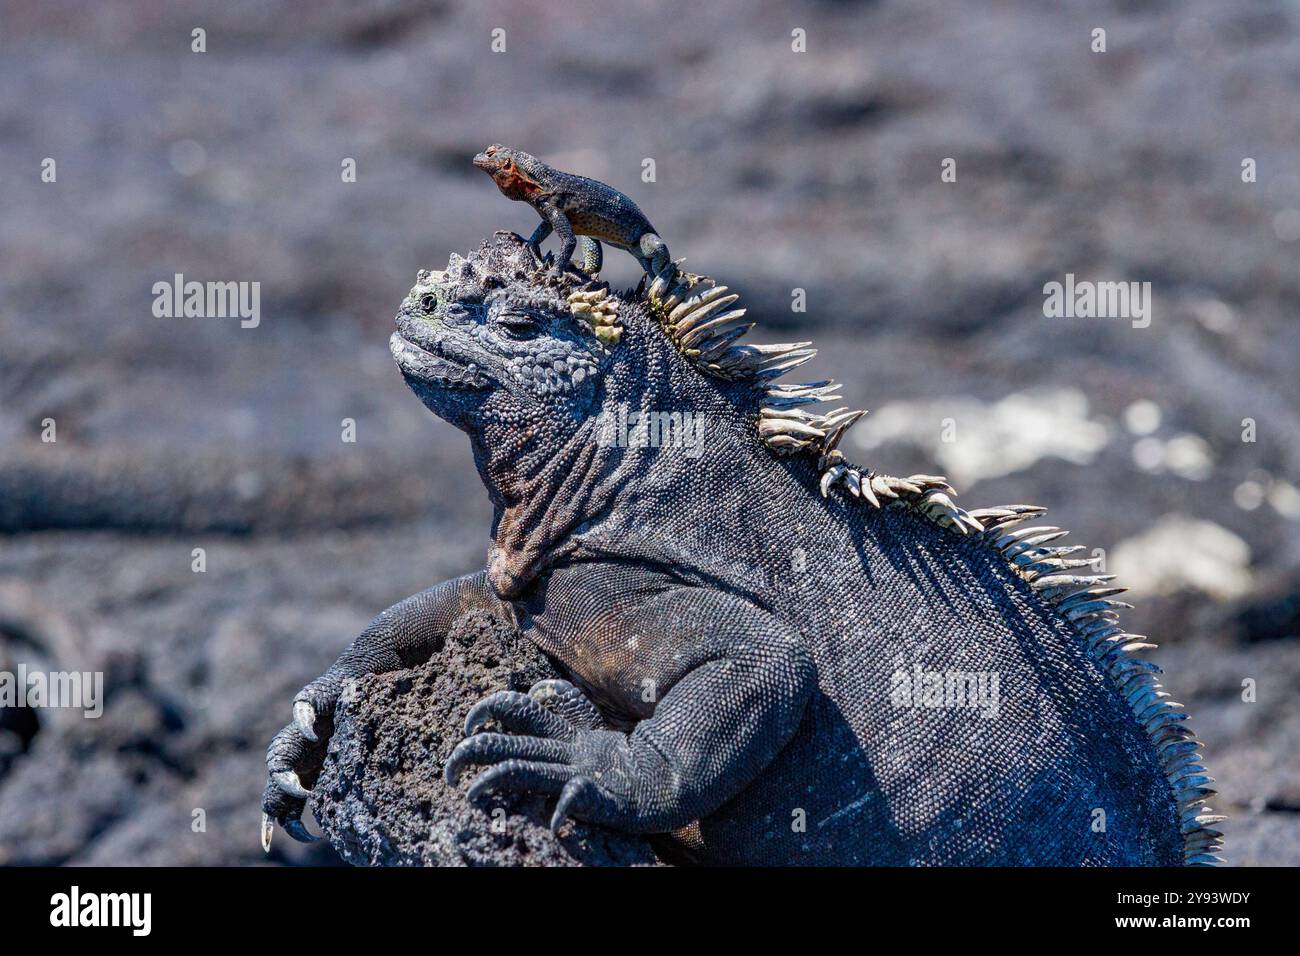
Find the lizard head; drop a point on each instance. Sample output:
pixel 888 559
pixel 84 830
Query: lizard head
pixel 511 169
pixel 490 340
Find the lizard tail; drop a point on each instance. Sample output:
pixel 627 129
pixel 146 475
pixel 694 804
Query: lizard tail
pixel 592 257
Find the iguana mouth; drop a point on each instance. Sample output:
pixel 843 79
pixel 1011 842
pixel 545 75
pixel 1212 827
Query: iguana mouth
pixel 430 367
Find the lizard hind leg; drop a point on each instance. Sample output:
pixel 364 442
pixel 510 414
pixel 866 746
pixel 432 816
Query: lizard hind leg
pixel 592 256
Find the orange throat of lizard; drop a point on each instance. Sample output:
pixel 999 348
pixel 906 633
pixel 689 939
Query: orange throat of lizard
pixel 516 184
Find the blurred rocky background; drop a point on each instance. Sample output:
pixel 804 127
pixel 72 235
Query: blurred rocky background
pixel 774 171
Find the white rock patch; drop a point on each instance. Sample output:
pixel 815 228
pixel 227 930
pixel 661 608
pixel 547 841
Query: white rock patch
pixel 989 440
pixel 1180 553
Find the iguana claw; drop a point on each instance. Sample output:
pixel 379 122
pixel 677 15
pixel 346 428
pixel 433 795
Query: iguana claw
pixel 574 789
pixel 543 751
pixel 518 710
pixel 294 828
pixel 521 775
pixel 287 780
pixel 299 832
pixel 304 715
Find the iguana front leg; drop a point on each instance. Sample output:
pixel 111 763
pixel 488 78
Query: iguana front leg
pixel 720 684
pixel 404 635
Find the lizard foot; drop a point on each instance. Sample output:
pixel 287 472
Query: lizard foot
pixel 545 751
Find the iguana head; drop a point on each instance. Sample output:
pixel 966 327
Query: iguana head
pixel 492 341
pixel 536 369
pixel 577 400
pixel 514 171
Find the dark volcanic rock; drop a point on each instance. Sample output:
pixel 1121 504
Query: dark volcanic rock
pixel 381 798
pixel 775 170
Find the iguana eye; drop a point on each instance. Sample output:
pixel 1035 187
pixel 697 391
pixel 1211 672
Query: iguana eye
pixel 519 324
pixel 428 302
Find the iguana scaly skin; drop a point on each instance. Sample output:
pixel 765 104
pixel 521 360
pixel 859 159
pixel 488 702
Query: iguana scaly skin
pixel 575 207
pixel 742 626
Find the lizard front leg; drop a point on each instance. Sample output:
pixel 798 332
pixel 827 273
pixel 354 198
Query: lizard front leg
pixel 554 216
pixel 404 635
pixel 539 235
pixel 727 684
pixel 592 254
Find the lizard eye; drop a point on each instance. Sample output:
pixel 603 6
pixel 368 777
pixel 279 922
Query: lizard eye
pixel 519 324
pixel 428 302
pixel 491 151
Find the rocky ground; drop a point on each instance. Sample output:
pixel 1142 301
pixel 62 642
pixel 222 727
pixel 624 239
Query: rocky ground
pixel 774 171
pixel 382 799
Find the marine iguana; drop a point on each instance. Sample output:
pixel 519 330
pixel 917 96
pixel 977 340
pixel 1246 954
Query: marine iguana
pixel 751 635
pixel 574 206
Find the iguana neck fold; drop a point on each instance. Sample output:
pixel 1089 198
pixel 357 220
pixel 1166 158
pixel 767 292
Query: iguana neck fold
pixel 547 490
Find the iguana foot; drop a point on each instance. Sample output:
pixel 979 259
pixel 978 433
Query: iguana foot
pixel 547 752
pixel 294 760
pixel 292 764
